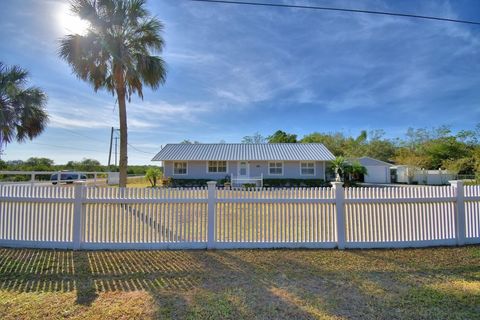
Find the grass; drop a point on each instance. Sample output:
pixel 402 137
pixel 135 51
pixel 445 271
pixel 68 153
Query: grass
pixel 436 283
pixel 138 182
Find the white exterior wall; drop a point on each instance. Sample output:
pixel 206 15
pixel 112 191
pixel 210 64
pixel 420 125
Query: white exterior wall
pixel 377 174
pixel 198 170
pixel 402 174
pixel 429 177
pixel 433 177
pixel 377 171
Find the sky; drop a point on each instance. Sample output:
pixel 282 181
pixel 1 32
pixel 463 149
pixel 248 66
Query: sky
pixel 236 70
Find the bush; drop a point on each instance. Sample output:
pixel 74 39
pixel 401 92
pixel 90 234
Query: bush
pixel 266 182
pixel 350 184
pixel 152 175
pixel 295 183
pixel 224 180
pixel 167 182
pixel 472 182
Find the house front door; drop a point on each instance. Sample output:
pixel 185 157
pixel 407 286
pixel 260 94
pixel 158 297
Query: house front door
pixel 243 171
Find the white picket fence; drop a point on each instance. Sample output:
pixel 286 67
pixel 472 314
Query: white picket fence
pixel 197 218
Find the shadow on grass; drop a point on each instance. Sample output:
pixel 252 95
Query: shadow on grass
pixel 215 284
pixel 301 284
pixel 91 272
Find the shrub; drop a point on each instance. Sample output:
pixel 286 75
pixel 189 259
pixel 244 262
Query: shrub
pixel 295 183
pixel 152 175
pixel 167 182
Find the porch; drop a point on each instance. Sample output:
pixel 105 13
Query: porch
pixel 239 180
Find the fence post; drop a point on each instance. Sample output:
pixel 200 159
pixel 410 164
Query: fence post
pixel 79 194
pixel 340 209
pixel 32 179
pixel 211 220
pixel 460 226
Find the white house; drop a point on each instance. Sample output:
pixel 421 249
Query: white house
pixel 245 162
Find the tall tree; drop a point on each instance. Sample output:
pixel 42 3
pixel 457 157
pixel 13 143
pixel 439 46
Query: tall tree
pixel 335 142
pixel 282 137
pixel 256 138
pixel 117 54
pixel 22 109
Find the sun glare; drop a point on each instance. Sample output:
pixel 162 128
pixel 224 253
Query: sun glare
pixel 69 23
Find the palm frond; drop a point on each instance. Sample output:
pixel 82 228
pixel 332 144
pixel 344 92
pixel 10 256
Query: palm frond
pixel 117 53
pixel 152 70
pixel 87 57
pixel 22 111
pixel 147 35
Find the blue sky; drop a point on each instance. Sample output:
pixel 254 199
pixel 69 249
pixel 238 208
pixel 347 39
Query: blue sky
pixel 235 70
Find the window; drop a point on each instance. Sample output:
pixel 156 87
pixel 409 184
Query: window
pixel 275 168
pixel 217 166
pixel 307 168
pixel 179 168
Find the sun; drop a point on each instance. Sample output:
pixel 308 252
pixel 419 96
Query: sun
pixel 70 23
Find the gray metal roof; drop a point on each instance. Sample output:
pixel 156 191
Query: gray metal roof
pixel 243 151
pixel 368 161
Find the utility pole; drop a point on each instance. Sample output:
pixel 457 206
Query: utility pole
pixel 110 152
pixel 114 131
pixel 116 141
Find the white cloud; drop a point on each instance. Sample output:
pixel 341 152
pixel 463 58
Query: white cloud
pixel 186 57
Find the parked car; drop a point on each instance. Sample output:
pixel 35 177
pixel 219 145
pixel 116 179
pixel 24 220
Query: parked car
pixel 68 177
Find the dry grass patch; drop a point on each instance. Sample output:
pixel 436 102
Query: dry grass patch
pixel 438 283
pixel 52 305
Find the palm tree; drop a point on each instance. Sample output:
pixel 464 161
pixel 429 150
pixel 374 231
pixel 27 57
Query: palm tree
pixel 338 166
pixel 115 54
pixel 356 170
pixel 22 110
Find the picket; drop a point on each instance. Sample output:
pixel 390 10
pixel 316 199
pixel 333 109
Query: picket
pixel 137 218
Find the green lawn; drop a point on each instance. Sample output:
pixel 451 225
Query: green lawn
pixel 440 283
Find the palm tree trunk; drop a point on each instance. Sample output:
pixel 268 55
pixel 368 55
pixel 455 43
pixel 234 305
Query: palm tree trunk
pixel 122 109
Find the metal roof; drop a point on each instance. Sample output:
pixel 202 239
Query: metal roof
pixel 368 161
pixel 246 152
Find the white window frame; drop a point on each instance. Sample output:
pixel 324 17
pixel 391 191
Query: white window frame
pixel 276 174
pixel 180 174
pixel 314 169
pixel 247 167
pixel 226 167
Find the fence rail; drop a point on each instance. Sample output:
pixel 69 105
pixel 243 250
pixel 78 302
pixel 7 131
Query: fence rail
pixel 196 218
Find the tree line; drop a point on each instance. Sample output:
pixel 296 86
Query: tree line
pixel 439 147
pixel 85 165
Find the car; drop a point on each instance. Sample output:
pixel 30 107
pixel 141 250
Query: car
pixel 68 177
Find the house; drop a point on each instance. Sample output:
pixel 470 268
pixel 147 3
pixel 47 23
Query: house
pixel 377 171
pixel 245 163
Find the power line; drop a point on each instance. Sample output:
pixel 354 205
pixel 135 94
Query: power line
pixel 82 135
pixel 135 148
pixel 85 136
pixel 405 15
